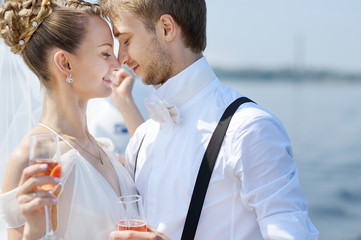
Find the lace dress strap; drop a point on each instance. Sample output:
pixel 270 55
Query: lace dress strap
pixel 53 131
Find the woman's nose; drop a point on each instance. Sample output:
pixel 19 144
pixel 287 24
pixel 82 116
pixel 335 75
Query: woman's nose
pixel 115 63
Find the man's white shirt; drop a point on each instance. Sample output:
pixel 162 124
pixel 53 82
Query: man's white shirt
pixel 254 191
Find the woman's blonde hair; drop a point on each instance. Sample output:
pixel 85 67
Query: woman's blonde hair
pixel 31 28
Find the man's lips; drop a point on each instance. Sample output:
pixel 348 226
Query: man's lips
pixel 135 68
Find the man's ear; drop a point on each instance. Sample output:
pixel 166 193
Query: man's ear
pixel 61 60
pixel 168 25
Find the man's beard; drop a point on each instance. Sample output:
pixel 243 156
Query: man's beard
pixel 159 66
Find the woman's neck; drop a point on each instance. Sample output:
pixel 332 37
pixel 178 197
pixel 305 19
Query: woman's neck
pixel 66 114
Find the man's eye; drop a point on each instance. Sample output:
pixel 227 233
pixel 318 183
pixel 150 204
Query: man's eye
pixel 105 54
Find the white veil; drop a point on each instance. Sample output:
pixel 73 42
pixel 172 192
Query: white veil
pixel 20 106
pixel 20 102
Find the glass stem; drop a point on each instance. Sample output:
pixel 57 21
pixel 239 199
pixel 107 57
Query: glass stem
pixel 48 222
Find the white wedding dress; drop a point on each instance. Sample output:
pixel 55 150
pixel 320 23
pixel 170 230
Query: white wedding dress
pixel 87 207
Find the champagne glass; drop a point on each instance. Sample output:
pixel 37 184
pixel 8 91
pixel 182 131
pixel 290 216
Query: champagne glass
pixel 44 149
pixel 131 214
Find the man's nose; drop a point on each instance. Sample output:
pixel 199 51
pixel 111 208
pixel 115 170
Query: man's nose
pixel 122 57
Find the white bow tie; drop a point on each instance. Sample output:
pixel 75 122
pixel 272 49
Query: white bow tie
pixel 163 112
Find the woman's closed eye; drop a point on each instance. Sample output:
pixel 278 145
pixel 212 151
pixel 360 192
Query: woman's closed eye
pixel 106 54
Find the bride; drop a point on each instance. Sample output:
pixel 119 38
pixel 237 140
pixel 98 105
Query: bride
pixel 69 47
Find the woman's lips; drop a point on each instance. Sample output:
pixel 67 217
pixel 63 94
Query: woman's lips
pixel 108 80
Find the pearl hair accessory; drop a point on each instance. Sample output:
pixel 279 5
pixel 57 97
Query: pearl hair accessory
pixel 69 79
pixel 35 24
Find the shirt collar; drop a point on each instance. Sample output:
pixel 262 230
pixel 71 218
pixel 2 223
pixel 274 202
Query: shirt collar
pixel 163 103
pixel 173 85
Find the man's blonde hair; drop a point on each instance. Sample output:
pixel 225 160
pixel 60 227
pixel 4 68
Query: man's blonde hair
pixel 190 15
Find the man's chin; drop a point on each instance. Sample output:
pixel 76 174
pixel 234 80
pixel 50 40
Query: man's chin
pixel 146 81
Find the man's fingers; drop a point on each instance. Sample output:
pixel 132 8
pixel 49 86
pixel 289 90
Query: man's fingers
pixel 159 235
pixel 150 229
pixel 151 234
pixel 132 235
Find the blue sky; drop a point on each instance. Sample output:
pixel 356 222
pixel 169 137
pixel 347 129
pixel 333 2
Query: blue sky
pixel 277 33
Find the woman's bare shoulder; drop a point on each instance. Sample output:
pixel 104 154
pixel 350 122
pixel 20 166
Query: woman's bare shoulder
pixel 18 160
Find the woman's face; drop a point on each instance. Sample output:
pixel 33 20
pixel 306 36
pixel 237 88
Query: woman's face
pixel 92 67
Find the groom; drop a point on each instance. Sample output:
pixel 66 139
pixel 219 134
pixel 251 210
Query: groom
pixel 254 191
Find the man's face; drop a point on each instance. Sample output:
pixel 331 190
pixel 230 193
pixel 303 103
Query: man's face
pixel 141 49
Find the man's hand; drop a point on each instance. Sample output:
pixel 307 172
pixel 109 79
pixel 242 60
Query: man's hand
pixel 151 234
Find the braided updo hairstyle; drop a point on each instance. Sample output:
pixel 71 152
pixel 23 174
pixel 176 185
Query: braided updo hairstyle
pixel 31 28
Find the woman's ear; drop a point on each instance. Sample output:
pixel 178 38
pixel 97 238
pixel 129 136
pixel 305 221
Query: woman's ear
pixel 168 25
pixel 61 61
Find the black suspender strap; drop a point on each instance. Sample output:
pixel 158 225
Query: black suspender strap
pixel 136 157
pixel 206 168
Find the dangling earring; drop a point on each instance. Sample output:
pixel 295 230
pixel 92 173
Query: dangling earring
pixel 69 79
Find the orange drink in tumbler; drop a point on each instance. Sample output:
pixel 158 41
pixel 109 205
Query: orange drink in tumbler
pixel 131 214
pixel 132 224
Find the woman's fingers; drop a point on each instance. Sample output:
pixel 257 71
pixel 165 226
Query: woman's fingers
pixel 33 197
pixel 34 183
pixel 25 198
pixel 32 201
pixel 32 170
pixel 37 203
pixel 29 193
pixel 121 75
pixel 122 87
pixel 122 83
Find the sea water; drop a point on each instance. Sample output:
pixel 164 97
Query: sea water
pixel 323 121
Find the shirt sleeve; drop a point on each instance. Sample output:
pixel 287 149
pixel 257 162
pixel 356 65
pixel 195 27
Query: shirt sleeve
pixel 269 180
pixel 10 210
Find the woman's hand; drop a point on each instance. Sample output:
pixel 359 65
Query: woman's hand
pixel 32 200
pixel 122 86
pixel 122 96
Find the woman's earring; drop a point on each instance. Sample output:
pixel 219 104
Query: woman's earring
pixel 69 79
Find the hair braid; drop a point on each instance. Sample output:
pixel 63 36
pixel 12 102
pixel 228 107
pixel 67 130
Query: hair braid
pixel 19 20
pixel 80 5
